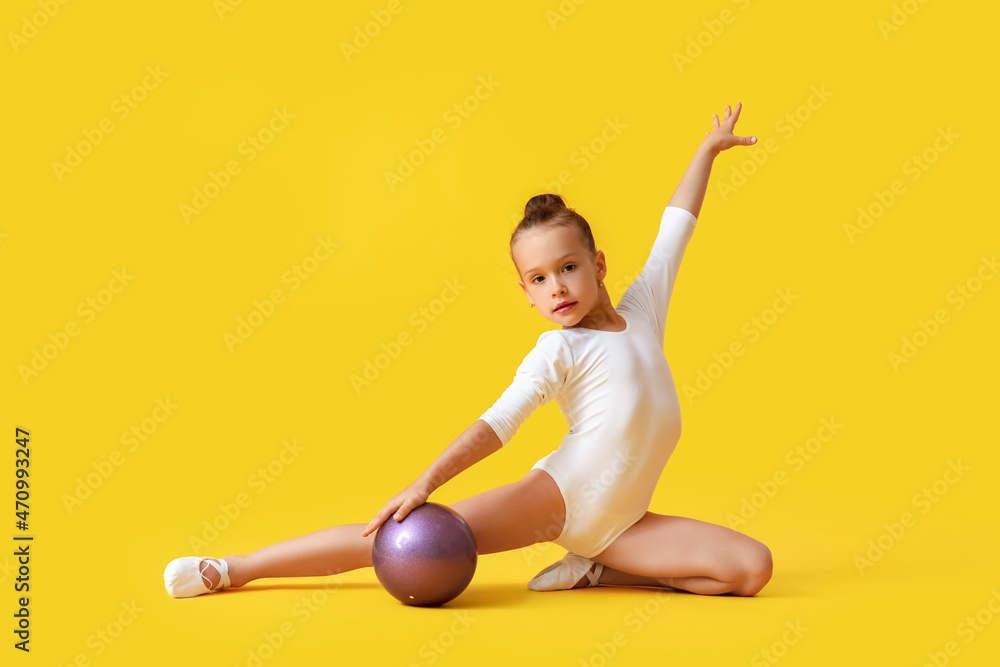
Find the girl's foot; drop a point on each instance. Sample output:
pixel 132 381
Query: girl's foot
pixel 591 578
pixel 194 575
pixel 572 571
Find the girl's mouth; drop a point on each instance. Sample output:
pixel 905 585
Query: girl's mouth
pixel 565 308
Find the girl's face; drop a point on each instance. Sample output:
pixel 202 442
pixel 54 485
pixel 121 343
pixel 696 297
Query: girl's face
pixel 557 267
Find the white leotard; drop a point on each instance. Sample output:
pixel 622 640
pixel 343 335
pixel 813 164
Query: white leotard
pixel 618 397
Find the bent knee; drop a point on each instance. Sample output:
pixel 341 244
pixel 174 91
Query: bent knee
pixel 756 571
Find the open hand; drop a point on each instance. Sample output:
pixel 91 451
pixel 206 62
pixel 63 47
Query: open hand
pixel 721 137
pixel 412 496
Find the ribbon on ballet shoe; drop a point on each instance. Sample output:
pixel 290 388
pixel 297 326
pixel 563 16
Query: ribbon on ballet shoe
pixel 185 578
pixel 564 574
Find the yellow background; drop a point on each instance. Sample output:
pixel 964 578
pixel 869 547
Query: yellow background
pixel 324 176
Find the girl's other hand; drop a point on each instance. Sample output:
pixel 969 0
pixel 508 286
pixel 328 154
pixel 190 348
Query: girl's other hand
pixel 721 137
pixel 412 496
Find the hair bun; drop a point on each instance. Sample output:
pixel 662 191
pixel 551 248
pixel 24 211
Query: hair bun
pixel 546 204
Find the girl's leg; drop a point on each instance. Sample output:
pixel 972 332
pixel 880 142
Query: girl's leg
pixel 323 552
pixel 687 554
pixel 515 515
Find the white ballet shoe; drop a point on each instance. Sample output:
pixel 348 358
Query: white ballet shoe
pixel 564 574
pixel 185 577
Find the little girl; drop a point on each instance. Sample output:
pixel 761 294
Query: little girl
pixel 605 368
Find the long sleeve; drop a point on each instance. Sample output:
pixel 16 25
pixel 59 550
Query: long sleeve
pixel 537 380
pixel 649 293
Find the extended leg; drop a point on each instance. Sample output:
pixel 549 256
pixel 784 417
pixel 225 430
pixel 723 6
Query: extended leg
pixel 687 554
pixel 515 515
pixel 318 554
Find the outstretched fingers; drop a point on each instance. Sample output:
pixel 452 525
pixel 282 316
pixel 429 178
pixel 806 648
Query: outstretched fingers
pixel 732 115
pixel 724 129
pixel 735 112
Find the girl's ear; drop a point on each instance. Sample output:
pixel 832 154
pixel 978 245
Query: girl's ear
pixel 602 265
pixel 525 290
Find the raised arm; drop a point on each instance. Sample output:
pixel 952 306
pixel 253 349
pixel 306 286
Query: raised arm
pixel 690 191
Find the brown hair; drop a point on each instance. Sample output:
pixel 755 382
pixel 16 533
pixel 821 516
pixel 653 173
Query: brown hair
pixel 548 210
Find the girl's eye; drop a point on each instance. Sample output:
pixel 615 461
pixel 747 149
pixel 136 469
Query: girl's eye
pixel 535 279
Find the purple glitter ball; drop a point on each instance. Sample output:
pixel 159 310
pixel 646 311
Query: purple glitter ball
pixel 426 559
